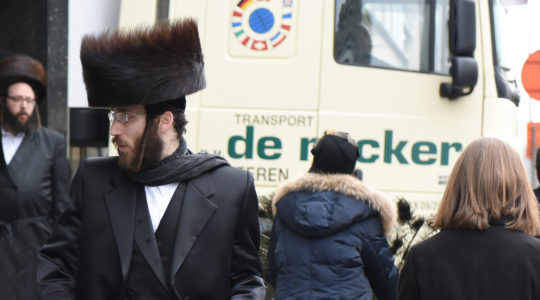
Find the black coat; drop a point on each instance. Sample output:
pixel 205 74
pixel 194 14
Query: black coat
pixel 496 263
pixel 33 191
pixel 537 194
pixel 216 251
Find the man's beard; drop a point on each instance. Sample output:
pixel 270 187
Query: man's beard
pixel 145 154
pixel 130 160
pixel 13 123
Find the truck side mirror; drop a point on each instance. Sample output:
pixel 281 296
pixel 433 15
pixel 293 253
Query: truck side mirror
pixel 462 36
pixel 464 73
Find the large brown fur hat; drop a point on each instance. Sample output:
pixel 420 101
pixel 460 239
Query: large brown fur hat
pixel 146 65
pixel 23 68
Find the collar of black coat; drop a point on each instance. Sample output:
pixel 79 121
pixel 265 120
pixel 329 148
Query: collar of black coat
pixel 501 221
pixel 344 184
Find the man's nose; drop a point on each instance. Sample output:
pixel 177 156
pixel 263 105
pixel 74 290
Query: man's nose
pixel 116 128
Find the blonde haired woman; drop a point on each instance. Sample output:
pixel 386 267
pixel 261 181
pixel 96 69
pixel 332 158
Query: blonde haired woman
pixel 486 249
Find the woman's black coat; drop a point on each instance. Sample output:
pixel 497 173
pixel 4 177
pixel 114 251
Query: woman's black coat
pixel 459 264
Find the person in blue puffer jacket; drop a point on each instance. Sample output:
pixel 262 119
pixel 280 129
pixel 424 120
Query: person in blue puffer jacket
pixel 328 237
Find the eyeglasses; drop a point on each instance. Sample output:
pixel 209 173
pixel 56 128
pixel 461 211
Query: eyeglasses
pixel 19 100
pixel 122 117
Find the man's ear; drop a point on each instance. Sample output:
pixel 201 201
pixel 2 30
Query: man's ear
pixel 166 121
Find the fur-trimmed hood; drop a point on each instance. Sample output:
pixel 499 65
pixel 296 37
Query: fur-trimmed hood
pixel 343 184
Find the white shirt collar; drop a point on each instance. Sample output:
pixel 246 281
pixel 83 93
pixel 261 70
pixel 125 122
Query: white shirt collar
pixel 7 133
pixel 10 144
pixel 158 199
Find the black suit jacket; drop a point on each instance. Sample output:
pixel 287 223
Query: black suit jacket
pixel 216 249
pixel 34 189
pixel 495 263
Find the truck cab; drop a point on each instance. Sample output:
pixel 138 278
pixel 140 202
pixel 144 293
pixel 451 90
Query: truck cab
pixel 413 81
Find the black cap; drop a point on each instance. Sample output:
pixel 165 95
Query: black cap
pixel 335 153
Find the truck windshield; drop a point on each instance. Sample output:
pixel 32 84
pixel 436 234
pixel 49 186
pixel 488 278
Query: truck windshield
pixel 397 34
pixel 497 17
pixel 501 27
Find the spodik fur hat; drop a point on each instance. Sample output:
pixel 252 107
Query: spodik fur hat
pixel 23 68
pixel 143 66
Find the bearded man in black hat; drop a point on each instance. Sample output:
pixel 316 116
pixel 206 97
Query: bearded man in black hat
pixel 34 175
pixel 158 221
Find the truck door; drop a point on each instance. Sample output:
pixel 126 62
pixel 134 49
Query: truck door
pixel 383 62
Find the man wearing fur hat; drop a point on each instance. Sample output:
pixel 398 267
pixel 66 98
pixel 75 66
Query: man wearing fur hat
pixel 34 175
pixel 158 221
pixel 328 238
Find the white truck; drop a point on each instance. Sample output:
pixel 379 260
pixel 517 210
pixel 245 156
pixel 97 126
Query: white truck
pixel 414 81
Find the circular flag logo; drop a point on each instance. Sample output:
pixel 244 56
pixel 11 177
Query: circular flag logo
pixel 262 24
